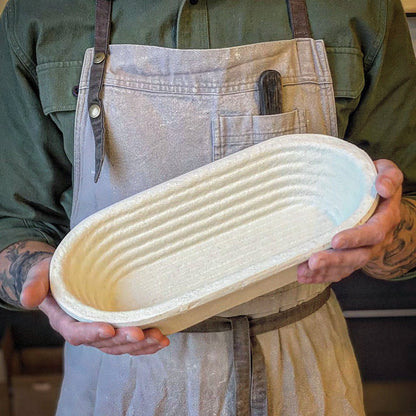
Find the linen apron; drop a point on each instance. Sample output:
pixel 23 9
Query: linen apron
pixel 166 112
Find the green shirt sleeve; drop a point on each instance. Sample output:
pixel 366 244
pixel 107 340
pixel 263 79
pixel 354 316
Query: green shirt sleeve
pixel 378 114
pixel 34 170
pixel 384 122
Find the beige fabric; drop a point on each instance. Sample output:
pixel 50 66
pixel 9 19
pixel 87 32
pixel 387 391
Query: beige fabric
pixel 310 367
pixel 173 110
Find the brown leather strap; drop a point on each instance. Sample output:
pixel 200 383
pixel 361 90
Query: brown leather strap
pixel 266 323
pixel 242 364
pixel 249 365
pixel 299 19
pixel 96 111
pixel 258 392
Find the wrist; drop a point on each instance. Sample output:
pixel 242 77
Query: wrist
pixel 15 263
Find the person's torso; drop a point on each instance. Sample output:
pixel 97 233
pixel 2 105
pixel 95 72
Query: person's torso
pixel 59 58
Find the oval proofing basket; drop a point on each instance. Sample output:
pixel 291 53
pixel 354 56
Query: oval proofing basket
pixel 216 237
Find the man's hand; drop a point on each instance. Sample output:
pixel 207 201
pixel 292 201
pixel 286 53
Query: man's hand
pixel 129 340
pixel 364 246
pixel 26 265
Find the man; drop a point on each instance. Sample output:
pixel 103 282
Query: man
pixel 310 364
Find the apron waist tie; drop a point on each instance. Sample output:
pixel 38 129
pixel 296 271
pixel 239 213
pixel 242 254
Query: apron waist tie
pixel 249 364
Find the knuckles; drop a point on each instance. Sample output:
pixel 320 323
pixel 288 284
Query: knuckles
pixel 73 340
pixel 363 262
pixel 379 236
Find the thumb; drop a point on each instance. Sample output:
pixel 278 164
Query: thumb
pixel 389 178
pixel 36 286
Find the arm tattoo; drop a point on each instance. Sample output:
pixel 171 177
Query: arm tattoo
pixel 17 260
pixel 400 256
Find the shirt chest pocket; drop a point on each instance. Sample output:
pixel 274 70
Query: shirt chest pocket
pixel 58 86
pixel 58 83
pixel 347 70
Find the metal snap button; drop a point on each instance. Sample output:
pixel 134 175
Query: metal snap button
pixel 94 111
pixel 99 57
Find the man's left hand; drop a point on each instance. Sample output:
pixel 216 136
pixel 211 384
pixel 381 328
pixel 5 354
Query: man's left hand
pixel 354 248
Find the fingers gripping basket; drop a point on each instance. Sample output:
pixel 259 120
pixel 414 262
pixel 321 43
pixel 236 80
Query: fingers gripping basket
pixel 215 237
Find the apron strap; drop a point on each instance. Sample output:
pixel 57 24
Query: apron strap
pixel 258 380
pixel 249 370
pixel 95 107
pixel 249 364
pixel 242 364
pixel 299 19
pixel 299 22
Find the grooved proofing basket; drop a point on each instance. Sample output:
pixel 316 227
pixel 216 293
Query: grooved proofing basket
pixel 215 237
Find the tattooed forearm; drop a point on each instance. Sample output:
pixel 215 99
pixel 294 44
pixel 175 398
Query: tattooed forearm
pixel 15 263
pixel 400 255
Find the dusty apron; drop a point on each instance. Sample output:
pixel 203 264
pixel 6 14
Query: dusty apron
pixel 147 114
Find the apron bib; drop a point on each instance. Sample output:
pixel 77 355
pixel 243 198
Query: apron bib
pixel 166 112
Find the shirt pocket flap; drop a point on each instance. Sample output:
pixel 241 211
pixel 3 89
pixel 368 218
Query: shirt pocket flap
pixel 347 71
pixel 56 83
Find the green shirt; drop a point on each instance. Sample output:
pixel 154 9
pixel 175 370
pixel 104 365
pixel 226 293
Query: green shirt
pixel 41 50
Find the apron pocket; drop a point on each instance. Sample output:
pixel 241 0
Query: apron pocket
pixel 233 133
